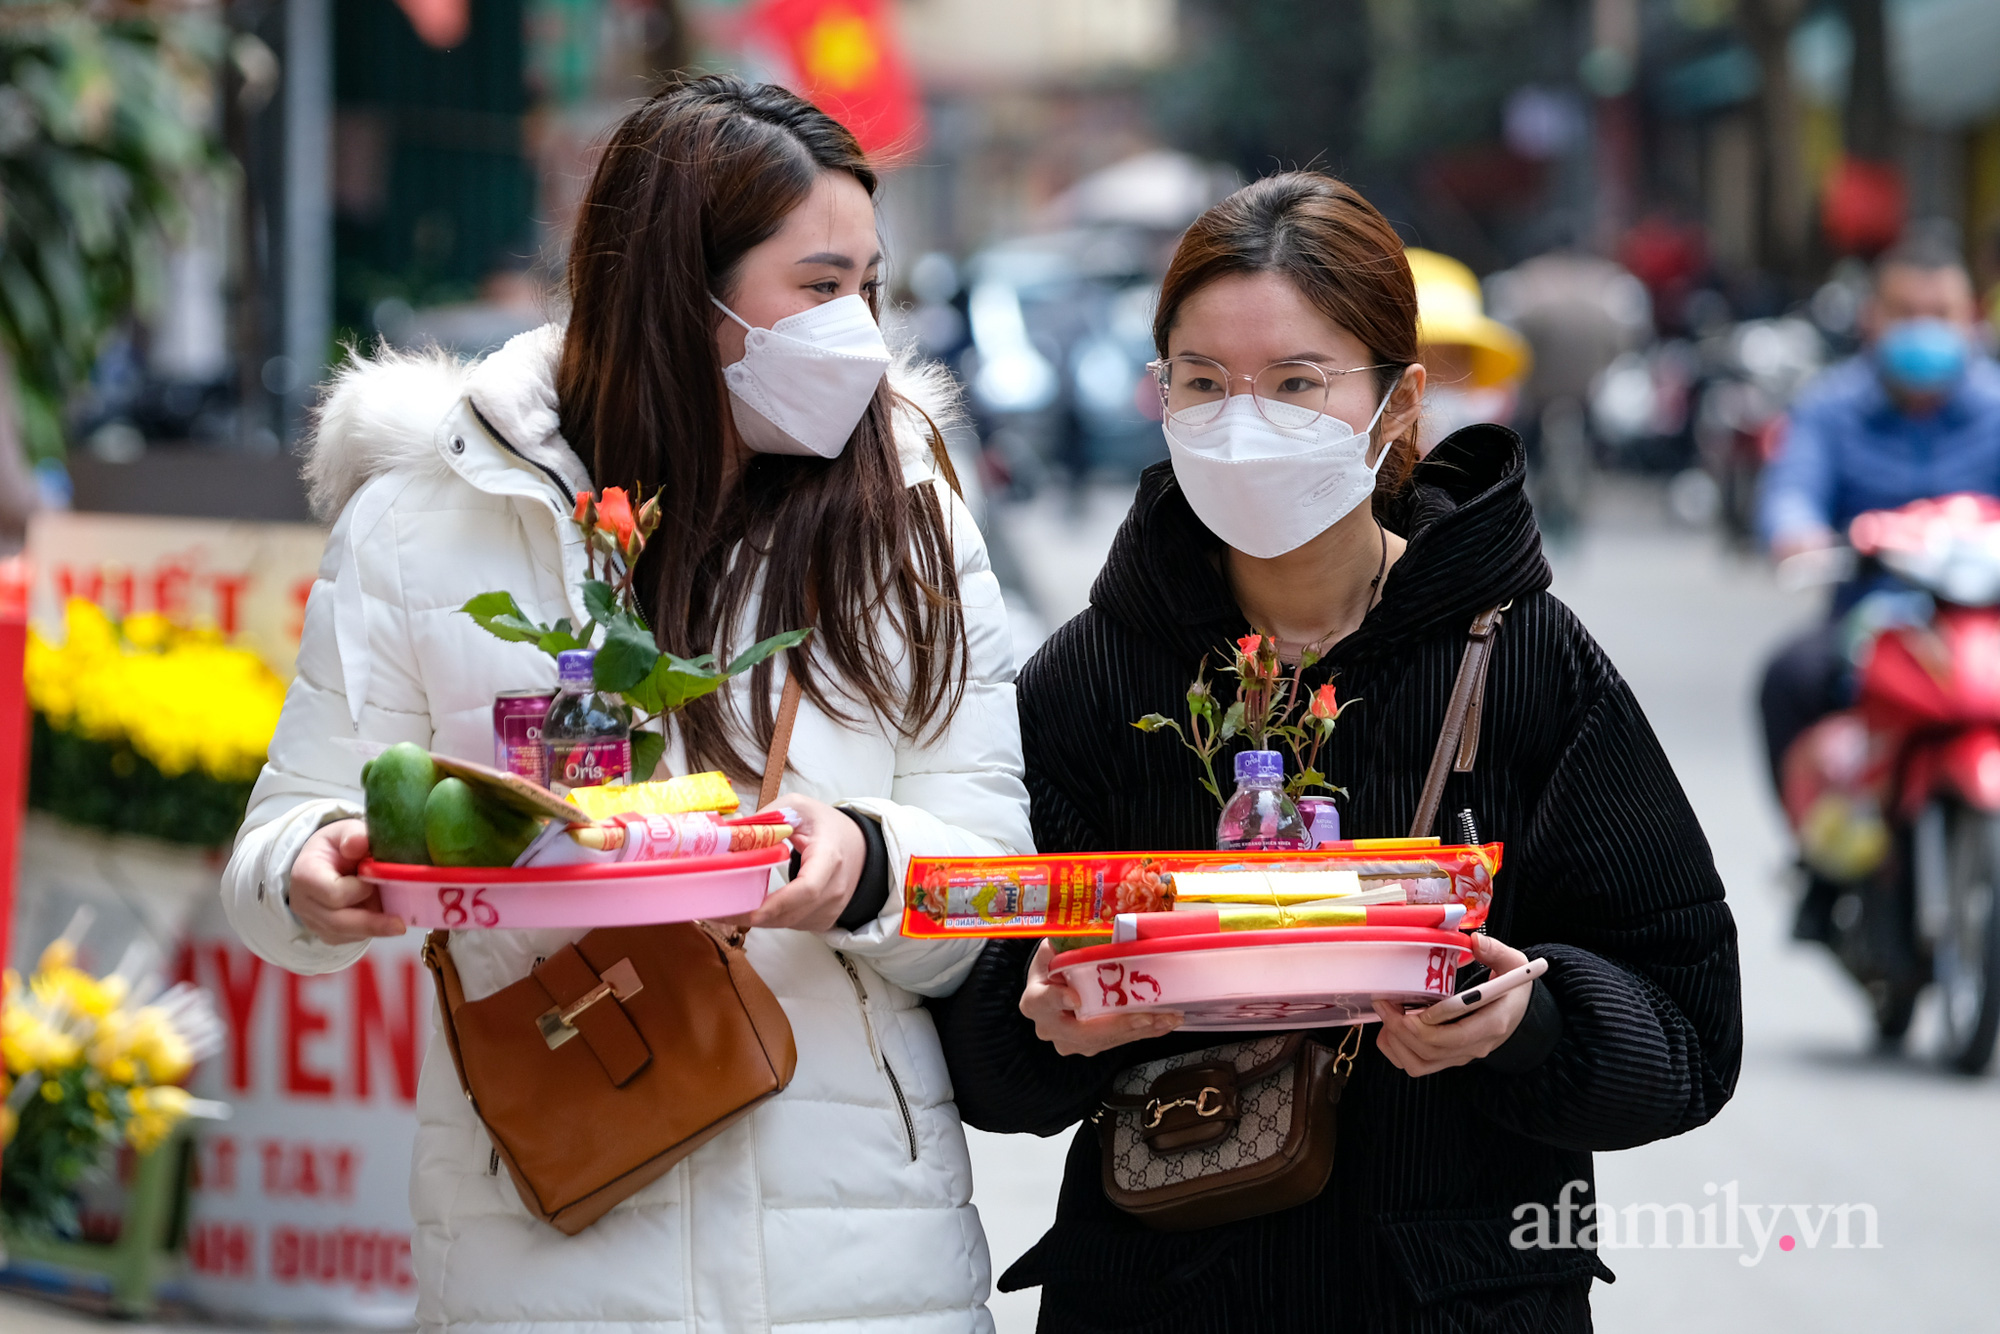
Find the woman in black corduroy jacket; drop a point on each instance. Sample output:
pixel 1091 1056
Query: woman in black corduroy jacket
pixel 1633 1034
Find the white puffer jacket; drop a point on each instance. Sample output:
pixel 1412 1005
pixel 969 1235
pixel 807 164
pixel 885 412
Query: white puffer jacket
pixel 844 1203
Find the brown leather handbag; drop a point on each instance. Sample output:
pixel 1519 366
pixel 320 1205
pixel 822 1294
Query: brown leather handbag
pixel 619 1055
pixel 1247 1128
pixel 1229 1132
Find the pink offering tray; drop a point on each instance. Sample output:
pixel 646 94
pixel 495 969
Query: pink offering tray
pixel 680 889
pixel 1236 981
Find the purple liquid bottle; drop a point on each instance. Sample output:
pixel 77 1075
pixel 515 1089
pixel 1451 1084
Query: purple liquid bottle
pixel 1259 816
pixel 587 734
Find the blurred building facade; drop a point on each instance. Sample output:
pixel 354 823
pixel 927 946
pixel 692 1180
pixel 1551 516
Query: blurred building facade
pixel 409 167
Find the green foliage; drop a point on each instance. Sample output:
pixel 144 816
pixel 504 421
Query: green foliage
pixel 107 785
pixel 500 616
pixel 629 661
pixel 1444 68
pixel 56 1146
pixel 647 747
pixel 101 123
pixel 1272 85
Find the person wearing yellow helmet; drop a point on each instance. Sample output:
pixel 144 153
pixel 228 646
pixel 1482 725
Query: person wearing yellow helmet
pixel 1476 363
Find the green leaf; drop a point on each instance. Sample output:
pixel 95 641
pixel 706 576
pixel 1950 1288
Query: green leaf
pixel 1232 721
pixel 764 648
pixel 600 600
pixel 560 641
pixel 626 657
pixel 675 681
pixel 1306 659
pixel 647 747
pixel 499 616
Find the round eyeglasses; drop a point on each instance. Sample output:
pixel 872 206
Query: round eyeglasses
pixel 1288 394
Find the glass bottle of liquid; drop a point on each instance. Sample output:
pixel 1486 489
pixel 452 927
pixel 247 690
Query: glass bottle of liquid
pixel 1259 816
pixel 588 733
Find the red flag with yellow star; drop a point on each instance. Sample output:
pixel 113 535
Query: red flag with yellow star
pixel 845 60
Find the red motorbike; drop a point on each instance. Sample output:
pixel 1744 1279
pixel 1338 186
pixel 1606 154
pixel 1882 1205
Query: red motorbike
pixel 1895 802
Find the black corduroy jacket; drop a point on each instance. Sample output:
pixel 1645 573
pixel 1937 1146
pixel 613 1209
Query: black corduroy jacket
pixel 1606 874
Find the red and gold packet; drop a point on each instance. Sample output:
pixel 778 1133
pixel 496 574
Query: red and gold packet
pixel 1080 894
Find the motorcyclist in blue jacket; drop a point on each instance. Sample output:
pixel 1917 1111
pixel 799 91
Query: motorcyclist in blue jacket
pixel 1916 414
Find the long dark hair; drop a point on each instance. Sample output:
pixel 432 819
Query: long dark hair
pixel 705 170
pixel 1341 254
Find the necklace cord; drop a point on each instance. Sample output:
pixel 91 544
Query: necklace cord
pixel 1374 588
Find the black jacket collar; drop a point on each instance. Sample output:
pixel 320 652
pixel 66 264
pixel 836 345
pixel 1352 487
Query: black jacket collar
pixel 1473 545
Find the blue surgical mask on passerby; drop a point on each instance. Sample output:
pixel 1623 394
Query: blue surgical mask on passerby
pixel 1922 356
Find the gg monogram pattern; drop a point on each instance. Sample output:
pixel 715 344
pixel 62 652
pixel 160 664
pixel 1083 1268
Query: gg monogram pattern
pixel 1267 1116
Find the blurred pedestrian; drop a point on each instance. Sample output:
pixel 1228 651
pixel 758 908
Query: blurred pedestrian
pixel 1294 505
pixel 1915 414
pixel 722 352
pixel 1475 363
pixel 1578 312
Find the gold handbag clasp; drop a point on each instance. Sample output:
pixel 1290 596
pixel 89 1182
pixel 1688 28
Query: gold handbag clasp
pixel 1207 1103
pixel 558 1025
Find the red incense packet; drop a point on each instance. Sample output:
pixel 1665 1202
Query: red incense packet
pixel 1081 894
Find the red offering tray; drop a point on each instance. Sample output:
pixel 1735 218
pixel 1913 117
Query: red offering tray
pixel 680 889
pixel 1234 981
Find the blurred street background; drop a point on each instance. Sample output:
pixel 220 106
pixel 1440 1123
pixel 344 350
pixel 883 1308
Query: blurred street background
pixel 1653 220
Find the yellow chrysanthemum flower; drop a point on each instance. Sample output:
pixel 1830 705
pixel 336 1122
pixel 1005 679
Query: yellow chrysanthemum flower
pixel 29 1043
pixel 183 699
pixel 155 1113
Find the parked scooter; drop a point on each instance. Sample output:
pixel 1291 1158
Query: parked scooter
pixel 1895 802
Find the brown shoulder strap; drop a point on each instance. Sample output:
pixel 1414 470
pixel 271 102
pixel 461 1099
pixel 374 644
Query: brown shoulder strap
pixel 781 742
pixel 1458 741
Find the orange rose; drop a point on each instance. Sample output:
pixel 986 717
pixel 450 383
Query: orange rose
pixel 614 516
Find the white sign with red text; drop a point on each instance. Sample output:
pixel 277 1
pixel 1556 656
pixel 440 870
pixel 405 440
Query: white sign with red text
pixel 248 580
pixel 301 1204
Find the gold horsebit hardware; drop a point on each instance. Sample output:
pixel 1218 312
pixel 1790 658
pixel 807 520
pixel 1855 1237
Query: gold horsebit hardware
pixel 558 1025
pixel 1156 1110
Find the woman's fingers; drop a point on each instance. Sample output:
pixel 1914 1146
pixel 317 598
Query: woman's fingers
pixel 1091 1037
pixel 344 926
pixel 831 852
pixel 341 910
pixel 1053 1007
pixel 349 844
pixel 1497 956
pixel 1418 1048
pixel 326 895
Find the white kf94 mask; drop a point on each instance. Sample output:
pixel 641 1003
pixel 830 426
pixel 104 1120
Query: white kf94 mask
pixel 1265 489
pixel 804 383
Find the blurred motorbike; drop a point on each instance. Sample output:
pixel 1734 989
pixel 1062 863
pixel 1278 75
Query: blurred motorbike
pixel 1751 374
pixel 1710 411
pixel 1895 802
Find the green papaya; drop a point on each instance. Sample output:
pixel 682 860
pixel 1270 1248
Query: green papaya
pixel 463 828
pixel 396 785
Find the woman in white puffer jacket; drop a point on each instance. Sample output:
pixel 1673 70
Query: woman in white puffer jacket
pixel 843 1203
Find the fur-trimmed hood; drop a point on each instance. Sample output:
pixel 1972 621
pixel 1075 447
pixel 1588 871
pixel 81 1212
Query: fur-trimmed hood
pixel 381 412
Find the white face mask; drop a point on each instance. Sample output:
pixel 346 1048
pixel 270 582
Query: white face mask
pixel 1266 490
pixel 803 383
